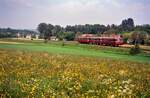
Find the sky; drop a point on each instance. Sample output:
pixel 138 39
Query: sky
pixel 27 14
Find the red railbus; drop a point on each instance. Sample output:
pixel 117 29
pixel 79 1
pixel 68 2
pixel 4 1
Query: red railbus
pixel 107 41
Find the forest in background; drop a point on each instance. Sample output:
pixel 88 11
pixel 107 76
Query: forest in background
pixel 127 28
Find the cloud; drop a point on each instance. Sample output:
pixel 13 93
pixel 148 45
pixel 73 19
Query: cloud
pixel 29 13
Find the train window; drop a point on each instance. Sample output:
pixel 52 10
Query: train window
pixel 114 39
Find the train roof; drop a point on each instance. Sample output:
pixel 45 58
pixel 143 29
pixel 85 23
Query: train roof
pixel 100 37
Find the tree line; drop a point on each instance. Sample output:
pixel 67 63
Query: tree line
pixel 69 32
pixel 10 33
pixel 127 28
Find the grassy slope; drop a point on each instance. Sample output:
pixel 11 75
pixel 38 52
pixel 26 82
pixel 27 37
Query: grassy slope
pixel 73 50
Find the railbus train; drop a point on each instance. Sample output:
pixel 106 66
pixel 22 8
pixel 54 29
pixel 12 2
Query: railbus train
pixel 107 41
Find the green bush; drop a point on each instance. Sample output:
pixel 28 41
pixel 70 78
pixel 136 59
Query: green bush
pixel 60 35
pixel 69 36
pixel 147 42
pixel 135 50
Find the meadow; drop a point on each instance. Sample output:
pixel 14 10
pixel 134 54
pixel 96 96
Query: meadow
pixel 71 48
pixel 54 71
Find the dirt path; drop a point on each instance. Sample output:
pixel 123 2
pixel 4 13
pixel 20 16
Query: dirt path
pixel 4 42
pixel 141 46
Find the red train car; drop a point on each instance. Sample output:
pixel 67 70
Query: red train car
pixel 107 41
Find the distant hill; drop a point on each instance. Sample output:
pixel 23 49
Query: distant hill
pixel 9 32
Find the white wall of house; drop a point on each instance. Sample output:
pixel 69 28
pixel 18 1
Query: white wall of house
pixel 28 36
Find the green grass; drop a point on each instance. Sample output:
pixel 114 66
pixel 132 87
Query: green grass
pixel 28 74
pixel 35 69
pixel 75 49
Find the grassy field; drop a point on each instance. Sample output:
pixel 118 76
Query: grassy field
pixel 71 70
pixel 75 49
pixel 25 74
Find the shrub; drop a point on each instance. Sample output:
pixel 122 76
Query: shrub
pixel 69 36
pixel 147 42
pixel 135 50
